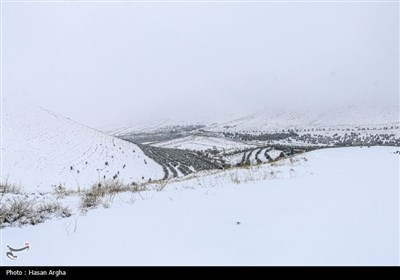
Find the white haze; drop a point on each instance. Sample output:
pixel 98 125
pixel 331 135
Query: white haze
pixel 107 63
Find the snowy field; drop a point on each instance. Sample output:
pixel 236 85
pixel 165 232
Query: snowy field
pixel 41 150
pixel 327 207
pixel 203 143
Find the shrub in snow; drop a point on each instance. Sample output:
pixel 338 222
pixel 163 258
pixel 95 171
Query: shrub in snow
pixel 103 193
pixel 21 211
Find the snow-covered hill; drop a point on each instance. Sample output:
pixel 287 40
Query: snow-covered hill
pixel 41 149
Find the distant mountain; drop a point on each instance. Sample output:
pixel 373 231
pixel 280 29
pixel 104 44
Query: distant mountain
pixel 153 126
pixel 354 116
pixel 373 116
pixel 41 149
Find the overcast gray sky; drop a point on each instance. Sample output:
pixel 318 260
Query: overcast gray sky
pixel 106 63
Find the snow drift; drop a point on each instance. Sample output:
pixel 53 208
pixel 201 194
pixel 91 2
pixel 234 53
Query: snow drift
pixel 328 207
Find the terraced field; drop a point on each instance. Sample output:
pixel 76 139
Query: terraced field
pixel 260 155
pixel 177 163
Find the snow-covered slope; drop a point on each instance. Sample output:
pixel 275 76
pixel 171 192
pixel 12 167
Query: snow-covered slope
pixel 41 149
pixel 338 207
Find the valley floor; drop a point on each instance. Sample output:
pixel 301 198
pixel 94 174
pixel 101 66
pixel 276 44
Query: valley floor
pixel 327 207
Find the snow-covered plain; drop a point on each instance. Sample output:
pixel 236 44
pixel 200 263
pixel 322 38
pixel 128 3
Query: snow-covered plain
pixel 327 207
pixel 42 149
